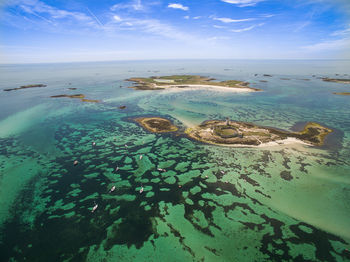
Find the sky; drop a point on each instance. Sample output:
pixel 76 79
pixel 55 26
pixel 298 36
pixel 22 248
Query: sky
pixel 39 31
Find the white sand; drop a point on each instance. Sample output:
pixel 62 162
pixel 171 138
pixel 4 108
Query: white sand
pixel 206 87
pixel 289 141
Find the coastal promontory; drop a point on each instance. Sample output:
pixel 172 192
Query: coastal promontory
pixel 337 80
pixel 234 133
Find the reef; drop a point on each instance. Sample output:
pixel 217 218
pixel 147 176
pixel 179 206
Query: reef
pixel 156 124
pixel 337 80
pixel 184 81
pixel 79 96
pixel 234 133
pixel 25 86
pixel 342 93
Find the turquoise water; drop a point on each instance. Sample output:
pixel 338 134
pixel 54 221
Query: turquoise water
pixel 282 203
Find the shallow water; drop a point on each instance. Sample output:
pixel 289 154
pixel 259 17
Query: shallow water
pixel 285 203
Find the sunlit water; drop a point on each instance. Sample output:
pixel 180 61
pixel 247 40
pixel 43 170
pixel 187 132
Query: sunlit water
pixel 285 203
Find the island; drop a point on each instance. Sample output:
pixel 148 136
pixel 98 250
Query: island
pixel 79 96
pixel 25 86
pixel 234 133
pixel 337 80
pixel 156 124
pixel 342 93
pixel 188 81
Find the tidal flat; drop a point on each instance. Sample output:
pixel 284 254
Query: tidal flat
pixel 162 196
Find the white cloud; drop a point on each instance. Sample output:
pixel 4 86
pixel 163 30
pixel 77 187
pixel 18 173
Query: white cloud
pixel 229 20
pixel 197 17
pixel 117 18
pixel 246 28
pixel 243 3
pixel 178 6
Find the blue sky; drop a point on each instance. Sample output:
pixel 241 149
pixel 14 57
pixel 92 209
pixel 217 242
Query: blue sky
pixel 76 30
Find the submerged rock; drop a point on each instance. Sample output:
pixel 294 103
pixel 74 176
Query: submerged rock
pixel 25 86
pixel 79 96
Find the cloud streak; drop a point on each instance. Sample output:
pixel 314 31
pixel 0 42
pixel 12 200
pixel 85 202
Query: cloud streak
pixel 229 20
pixel 329 45
pixel 246 28
pixel 243 3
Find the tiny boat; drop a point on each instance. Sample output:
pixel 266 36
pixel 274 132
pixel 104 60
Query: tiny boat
pixel 222 172
pixel 93 144
pixel 161 169
pixel 75 162
pixel 112 189
pixel 94 208
pixel 116 169
pixel 141 190
pixel 141 157
pixel 126 146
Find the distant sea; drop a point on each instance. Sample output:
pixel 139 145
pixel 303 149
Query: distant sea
pixel 281 203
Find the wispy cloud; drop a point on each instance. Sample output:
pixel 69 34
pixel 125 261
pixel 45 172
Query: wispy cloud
pixel 135 5
pixel 219 26
pixel 34 6
pixel 267 15
pixel 95 17
pixel 246 28
pixel 229 20
pixel 243 3
pixel 216 38
pixel 46 16
pixel 178 6
pixel 343 32
pixel 147 26
pixel 329 45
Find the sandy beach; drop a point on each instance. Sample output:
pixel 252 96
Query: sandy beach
pixel 206 87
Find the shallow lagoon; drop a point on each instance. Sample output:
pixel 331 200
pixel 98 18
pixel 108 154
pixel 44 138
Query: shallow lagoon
pixel 212 203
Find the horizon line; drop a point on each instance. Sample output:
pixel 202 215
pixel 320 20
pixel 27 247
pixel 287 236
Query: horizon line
pixel 179 59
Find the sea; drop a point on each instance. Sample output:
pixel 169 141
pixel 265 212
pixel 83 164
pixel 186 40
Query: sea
pixel 210 203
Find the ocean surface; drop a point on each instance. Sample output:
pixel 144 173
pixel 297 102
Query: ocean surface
pixel 281 203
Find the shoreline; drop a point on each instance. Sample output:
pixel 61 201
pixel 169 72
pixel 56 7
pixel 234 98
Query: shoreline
pixel 192 87
pixel 289 141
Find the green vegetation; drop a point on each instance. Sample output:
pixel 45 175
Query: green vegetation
pixel 314 133
pixel 158 83
pixel 156 124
